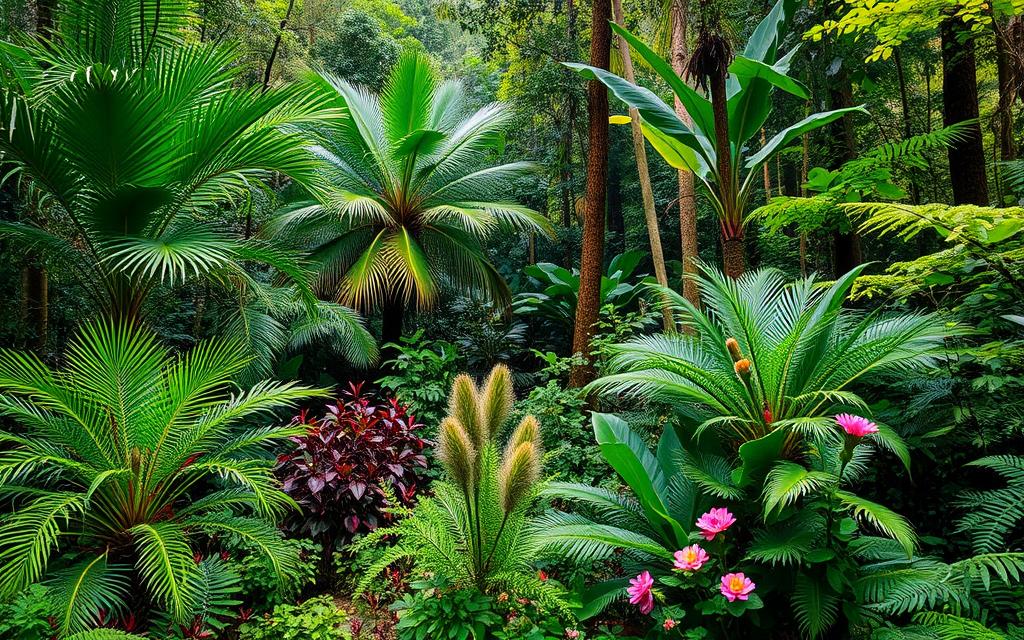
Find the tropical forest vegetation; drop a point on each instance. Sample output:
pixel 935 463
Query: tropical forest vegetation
pixel 512 319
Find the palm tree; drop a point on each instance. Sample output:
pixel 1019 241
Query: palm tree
pixel 770 360
pixel 127 133
pixel 738 108
pixel 407 197
pixel 123 462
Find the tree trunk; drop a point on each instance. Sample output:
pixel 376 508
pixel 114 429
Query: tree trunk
pixel 35 310
pixel 44 15
pixel 1006 66
pixel 592 255
pixel 277 44
pixel 732 223
pixel 646 192
pixel 967 163
pixel 846 244
pixel 733 258
pixel 687 194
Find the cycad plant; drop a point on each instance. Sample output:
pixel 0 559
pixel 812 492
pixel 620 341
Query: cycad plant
pixel 121 464
pixel 769 360
pixel 408 194
pixel 717 129
pixel 126 133
pixel 476 531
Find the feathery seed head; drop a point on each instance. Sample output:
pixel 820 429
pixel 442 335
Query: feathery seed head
pixel 463 406
pixel 495 400
pixel 457 453
pixel 519 472
pixel 527 431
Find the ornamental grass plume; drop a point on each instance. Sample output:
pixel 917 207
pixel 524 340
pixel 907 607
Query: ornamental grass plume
pixel 527 431
pixel 463 407
pixel 736 586
pixel 495 400
pixel 520 471
pixel 457 454
pixel 639 591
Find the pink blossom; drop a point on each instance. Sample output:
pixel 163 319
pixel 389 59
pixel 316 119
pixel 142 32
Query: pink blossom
pixel 714 522
pixel 736 586
pixel 669 624
pixel 640 592
pixel 691 558
pixel 855 425
pixel 572 634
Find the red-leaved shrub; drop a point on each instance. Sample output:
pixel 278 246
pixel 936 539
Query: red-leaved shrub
pixel 337 470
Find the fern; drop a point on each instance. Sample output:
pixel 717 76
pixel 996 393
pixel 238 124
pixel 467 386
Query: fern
pixel 993 514
pixel 815 605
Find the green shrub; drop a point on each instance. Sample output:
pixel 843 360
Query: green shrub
pixel 24 617
pixel 314 619
pixel 421 376
pixel 262 588
pixel 431 612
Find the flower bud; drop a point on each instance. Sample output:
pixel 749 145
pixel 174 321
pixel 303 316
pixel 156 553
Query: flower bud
pixel 734 349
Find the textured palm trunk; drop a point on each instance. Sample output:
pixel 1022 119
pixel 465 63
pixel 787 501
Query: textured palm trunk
pixel 36 306
pixel 592 255
pixel 646 191
pixel 733 257
pixel 687 193
pixel 959 103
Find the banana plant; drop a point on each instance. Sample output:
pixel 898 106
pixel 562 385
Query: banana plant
pixel 753 77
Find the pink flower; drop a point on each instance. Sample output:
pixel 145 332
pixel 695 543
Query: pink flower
pixel 640 592
pixel 855 425
pixel 736 586
pixel 691 558
pixel 572 634
pixel 669 624
pixel 714 522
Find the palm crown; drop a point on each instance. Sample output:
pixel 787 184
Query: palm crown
pixel 123 460
pixel 407 196
pixel 770 357
pixel 128 132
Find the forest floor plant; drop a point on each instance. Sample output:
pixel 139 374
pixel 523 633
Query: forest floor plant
pixel 476 531
pixel 122 463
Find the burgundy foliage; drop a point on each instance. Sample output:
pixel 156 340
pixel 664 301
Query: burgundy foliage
pixel 337 470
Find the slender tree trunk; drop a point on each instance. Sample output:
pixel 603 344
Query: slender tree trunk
pixel 1006 48
pixel 592 255
pixel 565 160
pixel 687 193
pixel 277 44
pixel 804 168
pixel 646 191
pixel 846 244
pixel 908 128
pixel 36 305
pixel 967 162
pixel 733 255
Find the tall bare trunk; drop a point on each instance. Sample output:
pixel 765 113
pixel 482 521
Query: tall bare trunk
pixel 967 162
pixel 592 255
pixel 646 191
pixel 277 44
pixel 687 194
pixel 1009 52
pixel 733 254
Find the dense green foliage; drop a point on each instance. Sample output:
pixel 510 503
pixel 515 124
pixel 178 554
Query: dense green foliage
pixel 216 213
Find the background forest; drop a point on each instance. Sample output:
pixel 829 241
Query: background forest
pixel 504 319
